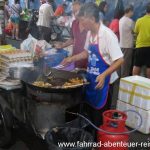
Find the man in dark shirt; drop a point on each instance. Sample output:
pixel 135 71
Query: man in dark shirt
pixel 78 36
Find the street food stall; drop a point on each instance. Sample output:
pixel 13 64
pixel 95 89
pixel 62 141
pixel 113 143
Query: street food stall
pixel 33 95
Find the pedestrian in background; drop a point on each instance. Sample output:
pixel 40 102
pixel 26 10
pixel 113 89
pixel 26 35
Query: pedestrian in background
pixel 142 53
pixel 114 25
pixel 103 8
pixel 126 27
pixel 78 37
pixel 44 21
pixel 15 11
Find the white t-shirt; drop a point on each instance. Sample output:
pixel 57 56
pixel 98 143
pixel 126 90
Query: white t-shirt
pixel 108 46
pixel 126 27
pixel 45 14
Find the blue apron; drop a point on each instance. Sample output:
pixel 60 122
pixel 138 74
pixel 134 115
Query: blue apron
pixel 97 98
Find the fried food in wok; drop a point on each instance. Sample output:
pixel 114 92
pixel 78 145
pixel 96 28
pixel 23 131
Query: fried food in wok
pixel 70 83
pixel 42 84
pixel 73 82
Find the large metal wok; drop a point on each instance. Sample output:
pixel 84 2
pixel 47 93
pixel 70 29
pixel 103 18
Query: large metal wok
pixel 59 77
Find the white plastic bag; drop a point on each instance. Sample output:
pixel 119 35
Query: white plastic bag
pixel 40 47
pixel 29 44
pixel 36 47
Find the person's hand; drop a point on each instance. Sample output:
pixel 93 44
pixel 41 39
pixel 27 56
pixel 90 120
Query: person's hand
pixel 58 45
pixel 101 80
pixel 67 61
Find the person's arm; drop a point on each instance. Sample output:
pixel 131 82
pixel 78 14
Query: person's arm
pixel 74 58
pixel 61 45
pixel 50 12
pixel 116 56
pixel 67 43
pixel 80 56
pixel 136 28
pixel 101 78
pixel 132 25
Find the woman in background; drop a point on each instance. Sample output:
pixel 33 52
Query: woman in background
pixel 103 8
pixel 15 10
pixel 114 25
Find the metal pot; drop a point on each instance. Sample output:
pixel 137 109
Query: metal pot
pixel 17 72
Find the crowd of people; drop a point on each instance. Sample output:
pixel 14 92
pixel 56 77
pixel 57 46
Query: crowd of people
pixel 126 30
pixel 135 35
pixel 132 37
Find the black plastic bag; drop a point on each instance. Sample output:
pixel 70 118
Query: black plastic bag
pixel 75 121
pixel 67 135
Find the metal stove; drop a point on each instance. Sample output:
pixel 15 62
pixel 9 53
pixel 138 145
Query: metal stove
pixel 41 110
pixel 47 110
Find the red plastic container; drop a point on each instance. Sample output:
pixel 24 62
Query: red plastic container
pixel 113 121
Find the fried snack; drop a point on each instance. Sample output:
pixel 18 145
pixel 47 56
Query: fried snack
pixel 73 81
pixel 42 84
pixel 76 80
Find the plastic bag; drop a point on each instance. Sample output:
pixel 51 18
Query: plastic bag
pixel 40 47
pixel 29 44
pixel 36 47
pixel 66 134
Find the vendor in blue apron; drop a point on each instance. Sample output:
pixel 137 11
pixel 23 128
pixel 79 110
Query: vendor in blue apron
pixel 104 58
